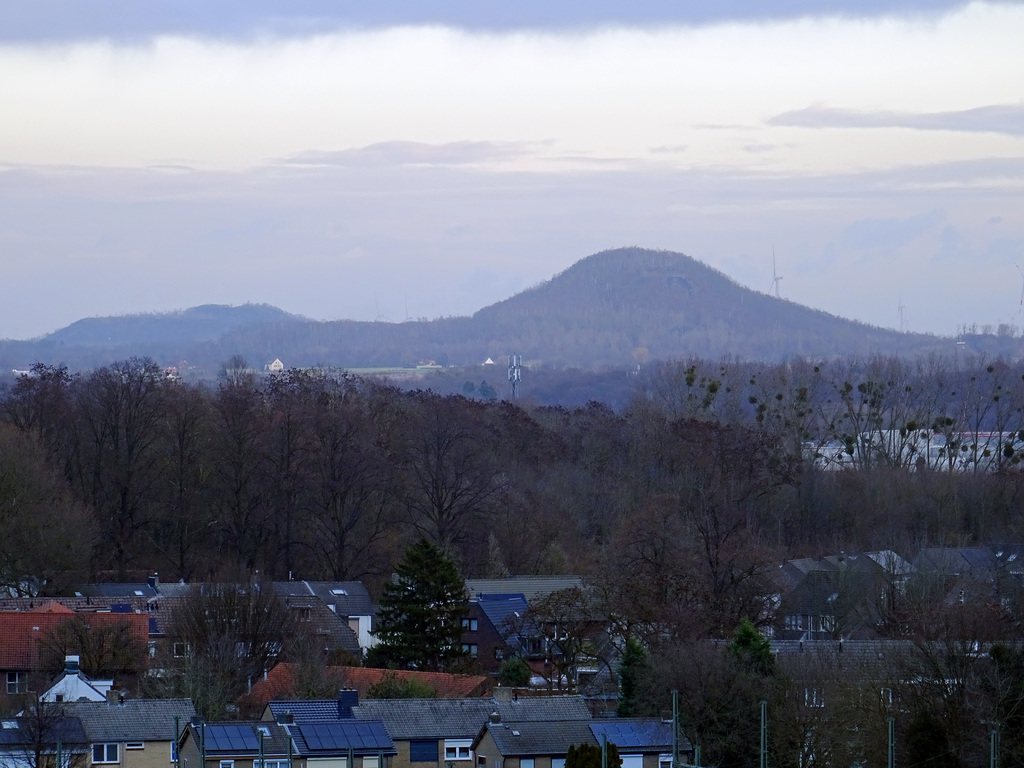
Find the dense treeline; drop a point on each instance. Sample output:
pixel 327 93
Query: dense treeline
pixel 710 470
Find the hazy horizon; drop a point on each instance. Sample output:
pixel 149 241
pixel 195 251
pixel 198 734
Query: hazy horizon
pixel 403 162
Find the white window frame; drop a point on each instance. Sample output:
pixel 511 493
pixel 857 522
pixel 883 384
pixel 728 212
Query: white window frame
pixel 135 745
pixel 227 764
pixel 664 760
pixel 17 682
pixel 105 746
pixel 458 749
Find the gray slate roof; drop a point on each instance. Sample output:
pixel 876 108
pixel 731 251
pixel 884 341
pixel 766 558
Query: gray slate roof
pixel 463 718
pixel 643 734
pixel 134 720
pixel 355 601
pixel 546 738
pixel 20 738
pixel 304 711
pixel 637 735
pixel 530 587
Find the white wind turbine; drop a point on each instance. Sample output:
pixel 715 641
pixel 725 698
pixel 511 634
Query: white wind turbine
pixel 776 277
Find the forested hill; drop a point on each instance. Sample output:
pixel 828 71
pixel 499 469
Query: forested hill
pixel 614 308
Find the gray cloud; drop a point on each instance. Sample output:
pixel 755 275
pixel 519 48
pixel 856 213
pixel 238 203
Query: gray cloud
pixel 994 118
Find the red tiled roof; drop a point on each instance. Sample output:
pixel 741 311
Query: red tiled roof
pixel 21 631
pixel 278 682
pixel 52 607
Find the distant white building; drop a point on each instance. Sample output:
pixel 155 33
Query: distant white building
pixel 488 361
pixel 276 367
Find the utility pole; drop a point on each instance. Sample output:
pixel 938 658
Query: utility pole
pixel 892 742
pixel 764 734
pixel 675 728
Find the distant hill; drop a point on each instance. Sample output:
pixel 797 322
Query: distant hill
pixel 614 308
pixel 204 323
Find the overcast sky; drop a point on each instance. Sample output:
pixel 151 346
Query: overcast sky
pixel 408 159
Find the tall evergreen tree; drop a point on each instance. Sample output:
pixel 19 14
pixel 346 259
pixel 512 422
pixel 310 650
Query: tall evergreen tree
pixel 421 610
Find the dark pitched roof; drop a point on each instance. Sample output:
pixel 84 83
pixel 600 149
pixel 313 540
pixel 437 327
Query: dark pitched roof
pixel 21 732
pixel 302 711
pixel 531 587
pixel 504 612
pixel 349 598
pixel 325 624
pixel 463 718
pixel 641 734
pixel 539 738
pixel 427 718
pixel 134 720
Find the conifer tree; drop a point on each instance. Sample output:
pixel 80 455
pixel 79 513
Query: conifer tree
pixel 421 610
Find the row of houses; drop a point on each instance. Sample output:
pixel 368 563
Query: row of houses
pixel 502 731
pixel 340 615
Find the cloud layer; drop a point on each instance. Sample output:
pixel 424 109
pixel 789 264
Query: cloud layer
pixel 430 170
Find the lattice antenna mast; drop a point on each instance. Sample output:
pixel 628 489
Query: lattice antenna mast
pixel 515 375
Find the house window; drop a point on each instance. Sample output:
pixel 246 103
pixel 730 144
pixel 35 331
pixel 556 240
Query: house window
pixel 180 650
pixel 371 761
pixel 665 760
pixel 274 763
pixel 104 753
pixel 470 625
pixel 481 761
pixel 17 682
pixel 557 762
pixel 227 764
pixel 458 749
pixel 525 762
pixel 632 761
pixel 134 745
pixel 302 613
pixel 814 697
pixel 423 752
pixel 886 696
pixel 471 649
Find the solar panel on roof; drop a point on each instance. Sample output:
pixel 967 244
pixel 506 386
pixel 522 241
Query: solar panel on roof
pixel 231 738
pixel 359 735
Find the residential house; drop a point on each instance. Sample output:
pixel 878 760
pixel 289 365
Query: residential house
pixel 641 742
pixel 550 621
pixel 430 733
pixel 348 601
pixel 25 638
pixel 844 596
pixel 75 685
pixel 41 736
pixel 236 745
pixel 133 733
